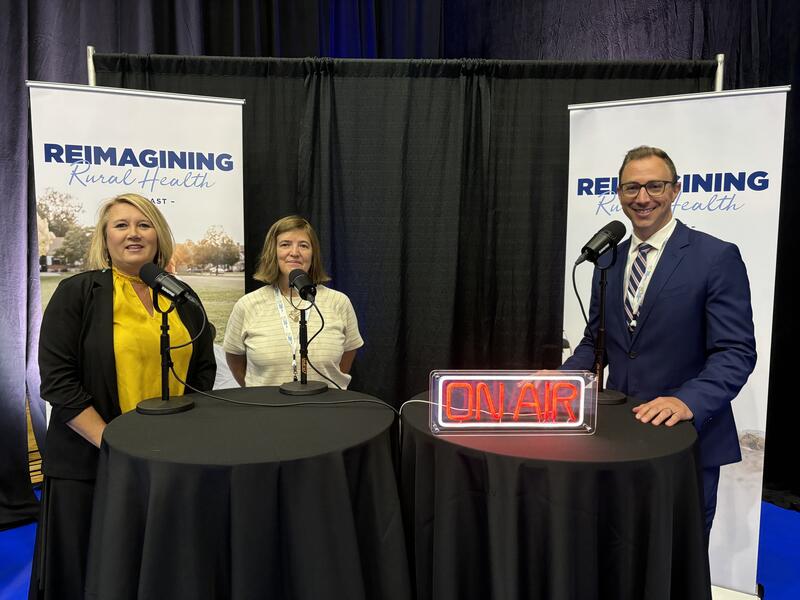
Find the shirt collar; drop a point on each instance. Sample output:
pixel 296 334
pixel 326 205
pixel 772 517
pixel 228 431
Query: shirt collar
pixel 657 240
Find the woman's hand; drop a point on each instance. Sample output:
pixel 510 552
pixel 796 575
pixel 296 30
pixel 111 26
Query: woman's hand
pixel 347 361
pixel 89 425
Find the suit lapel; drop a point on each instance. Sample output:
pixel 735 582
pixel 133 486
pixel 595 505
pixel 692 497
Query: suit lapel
pixel 674 252
pixel 615 310
pixel 104 309
pixel 615 293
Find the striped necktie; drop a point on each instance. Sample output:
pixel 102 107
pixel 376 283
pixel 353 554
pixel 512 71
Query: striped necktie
pixel 638 269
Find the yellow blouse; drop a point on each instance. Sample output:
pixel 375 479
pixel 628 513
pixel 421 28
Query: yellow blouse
pixel 137 352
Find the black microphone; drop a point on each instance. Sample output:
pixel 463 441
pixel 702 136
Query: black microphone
pixel 299 280
pixel 602 241
pixel 167 285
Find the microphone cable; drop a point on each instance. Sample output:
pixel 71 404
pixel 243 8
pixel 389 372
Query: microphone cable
pixel 287 404
pixel 311 339
pixel 580 303
pixel 202 327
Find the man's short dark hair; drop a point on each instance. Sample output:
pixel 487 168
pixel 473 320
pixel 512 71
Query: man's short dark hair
pixel 641 152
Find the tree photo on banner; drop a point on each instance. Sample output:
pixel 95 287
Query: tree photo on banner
pixel 728 151
pixel 184 153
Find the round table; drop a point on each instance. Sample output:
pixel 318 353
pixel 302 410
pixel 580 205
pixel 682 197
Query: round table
pixel 245 501
pixel 616 514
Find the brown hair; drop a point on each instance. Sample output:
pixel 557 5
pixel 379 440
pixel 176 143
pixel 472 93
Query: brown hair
pixel 98 256
pixel 641 152
pixel 267 269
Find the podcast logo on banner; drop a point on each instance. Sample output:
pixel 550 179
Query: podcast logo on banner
pixel 700 192
pixel 151 170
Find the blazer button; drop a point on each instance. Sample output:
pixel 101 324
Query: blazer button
pixel 632 355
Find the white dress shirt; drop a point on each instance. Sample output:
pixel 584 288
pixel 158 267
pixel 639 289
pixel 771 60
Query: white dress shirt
pixel 658 240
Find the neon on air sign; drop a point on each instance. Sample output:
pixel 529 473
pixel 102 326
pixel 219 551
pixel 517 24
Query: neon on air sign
pixel 488 402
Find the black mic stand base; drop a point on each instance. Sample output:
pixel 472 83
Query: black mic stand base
pixel 157 406
pixel 610 397
pixel 295 388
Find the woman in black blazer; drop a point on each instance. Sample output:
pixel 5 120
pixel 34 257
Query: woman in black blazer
pixel 80 353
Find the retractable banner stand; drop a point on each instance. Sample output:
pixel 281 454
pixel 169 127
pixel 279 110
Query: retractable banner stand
pixel 728 150
pixel 182 152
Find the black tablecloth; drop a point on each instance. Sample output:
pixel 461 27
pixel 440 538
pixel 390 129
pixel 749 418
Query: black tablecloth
pixel 228 501
pixel 615 515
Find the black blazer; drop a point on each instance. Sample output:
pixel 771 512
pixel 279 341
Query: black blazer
pixel 76 361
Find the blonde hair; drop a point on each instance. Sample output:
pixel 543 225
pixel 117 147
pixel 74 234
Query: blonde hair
pixel 267 268
pixel 99 258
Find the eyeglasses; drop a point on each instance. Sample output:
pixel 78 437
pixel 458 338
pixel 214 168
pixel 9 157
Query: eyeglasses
pixel 653 188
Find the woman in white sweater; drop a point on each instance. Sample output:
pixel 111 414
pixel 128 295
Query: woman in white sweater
pixel 262 337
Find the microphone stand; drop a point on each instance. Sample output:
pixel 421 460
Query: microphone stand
pixel 164 405
pixel 303 387
pixel 604 396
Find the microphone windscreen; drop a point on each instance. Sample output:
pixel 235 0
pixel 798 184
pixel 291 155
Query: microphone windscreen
pixel 294 274
pixel 616 230
pixel 149 273
pixel 299 280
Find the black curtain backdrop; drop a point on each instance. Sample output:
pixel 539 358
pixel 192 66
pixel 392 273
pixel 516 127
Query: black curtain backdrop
pixel 45 40
pixel 438 189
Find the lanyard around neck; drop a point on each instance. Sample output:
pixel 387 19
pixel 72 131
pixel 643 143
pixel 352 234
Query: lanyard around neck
pixel 287 330
pixel 651 266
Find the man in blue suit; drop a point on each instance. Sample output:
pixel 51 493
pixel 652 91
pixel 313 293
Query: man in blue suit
pixel 679 325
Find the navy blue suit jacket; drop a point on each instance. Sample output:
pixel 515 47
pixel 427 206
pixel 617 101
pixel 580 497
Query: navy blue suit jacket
pixel 694 336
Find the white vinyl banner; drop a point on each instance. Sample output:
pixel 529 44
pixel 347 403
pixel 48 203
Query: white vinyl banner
pixel 183 153
pixel 728 151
